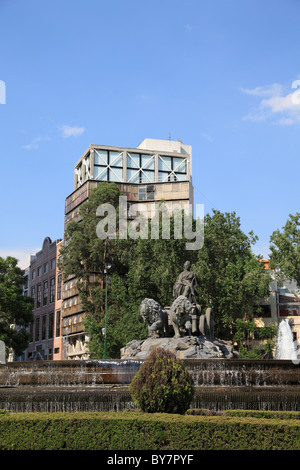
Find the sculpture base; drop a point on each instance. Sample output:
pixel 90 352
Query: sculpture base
pixel 186 347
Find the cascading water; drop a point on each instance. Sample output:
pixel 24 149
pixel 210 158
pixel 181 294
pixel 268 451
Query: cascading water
pixel 285 343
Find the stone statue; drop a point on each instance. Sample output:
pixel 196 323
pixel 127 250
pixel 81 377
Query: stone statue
pixel 180 312
pixel 186 284
pixel 155 317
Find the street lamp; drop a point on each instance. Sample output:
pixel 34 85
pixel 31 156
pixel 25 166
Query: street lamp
pixel 107 266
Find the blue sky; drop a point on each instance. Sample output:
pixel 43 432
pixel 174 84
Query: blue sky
pixel 219 74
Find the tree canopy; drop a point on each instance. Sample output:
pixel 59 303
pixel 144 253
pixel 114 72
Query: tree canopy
pixel 16 310
pixel 285 250
pixel 231 277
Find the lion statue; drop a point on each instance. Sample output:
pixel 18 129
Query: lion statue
pixel 180 312
pixel 155 317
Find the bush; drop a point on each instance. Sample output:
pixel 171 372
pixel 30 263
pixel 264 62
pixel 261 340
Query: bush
pixel 162 384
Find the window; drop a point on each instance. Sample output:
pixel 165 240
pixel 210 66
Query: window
pixel 46 268
pixel 31 333
pixel 38 296
pixel 52 290
pixel 37 329
pixel 45 293
pixel 140 168
pixel 39 271
pixel 146 193
pixel 51 325
pixel 108 165
pixel 57 329
pixel 172 168
pixel 33 274
pixel 59 285
pixel 53 263
pixel 33 295
pixel 44 323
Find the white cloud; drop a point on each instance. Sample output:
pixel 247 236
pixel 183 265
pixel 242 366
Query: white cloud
pixel 69 131
pixel 188 27
pixel 277 104
pixel 35 143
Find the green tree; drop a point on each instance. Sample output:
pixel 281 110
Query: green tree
pixel 231 276
pixel 140 268
pixel 16 313
pixel 285 250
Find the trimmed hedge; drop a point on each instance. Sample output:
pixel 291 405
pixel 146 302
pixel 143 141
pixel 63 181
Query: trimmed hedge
pixel 144 431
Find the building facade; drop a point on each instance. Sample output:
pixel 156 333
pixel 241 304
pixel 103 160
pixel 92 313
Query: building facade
pixel 155 171
pixel 44 343
pixel 283 302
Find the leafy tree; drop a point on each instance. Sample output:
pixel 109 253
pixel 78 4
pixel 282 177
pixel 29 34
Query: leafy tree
pixel 285 250
pixel 15 309
pixel 140 268
pixel 231 276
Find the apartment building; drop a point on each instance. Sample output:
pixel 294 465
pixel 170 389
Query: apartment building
pixel 44 342
pixel 155 171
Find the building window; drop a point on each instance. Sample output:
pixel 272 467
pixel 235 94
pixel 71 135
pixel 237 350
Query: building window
pixel 39 271
pixel 33 295
pixel 33 274
pixel 108 165
pixel 31 333
pixel 44 323
pixel 146 193
pixel 57 329
pixel 172 168
pixel 46 268
pixel 45 293
pixel 37 329
pixel 51 325
pixel 38 296
pixel 52 290
pixel 59 286
pixel 53 263
pixel 140 168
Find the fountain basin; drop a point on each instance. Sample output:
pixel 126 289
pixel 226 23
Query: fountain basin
pixel 53 386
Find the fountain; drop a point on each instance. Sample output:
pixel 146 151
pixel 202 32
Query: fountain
pixel 285 342
pixel 222 379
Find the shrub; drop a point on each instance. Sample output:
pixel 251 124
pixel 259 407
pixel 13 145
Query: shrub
pixel 162 384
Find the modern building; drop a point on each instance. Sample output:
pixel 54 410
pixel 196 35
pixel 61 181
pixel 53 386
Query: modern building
pixel 44 342
pixel 156 171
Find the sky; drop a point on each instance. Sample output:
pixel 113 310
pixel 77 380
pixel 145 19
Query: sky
pixel 222 75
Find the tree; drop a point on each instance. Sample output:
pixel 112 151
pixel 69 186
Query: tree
pixel 231 276
pixel 285 250
pixel 85 255
pixel 16 313
pixel 140 267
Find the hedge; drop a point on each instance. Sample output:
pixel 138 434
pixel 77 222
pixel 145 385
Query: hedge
pixel 143 431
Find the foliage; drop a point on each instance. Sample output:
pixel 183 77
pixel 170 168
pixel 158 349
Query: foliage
pixel 15 308
pixel 237 430
pixel 231 276
pixel 140 268
pixel 285 249
pixel 246 331
pixel 162 384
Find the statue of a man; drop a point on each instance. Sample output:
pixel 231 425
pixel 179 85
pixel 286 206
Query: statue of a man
pixel 186 284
